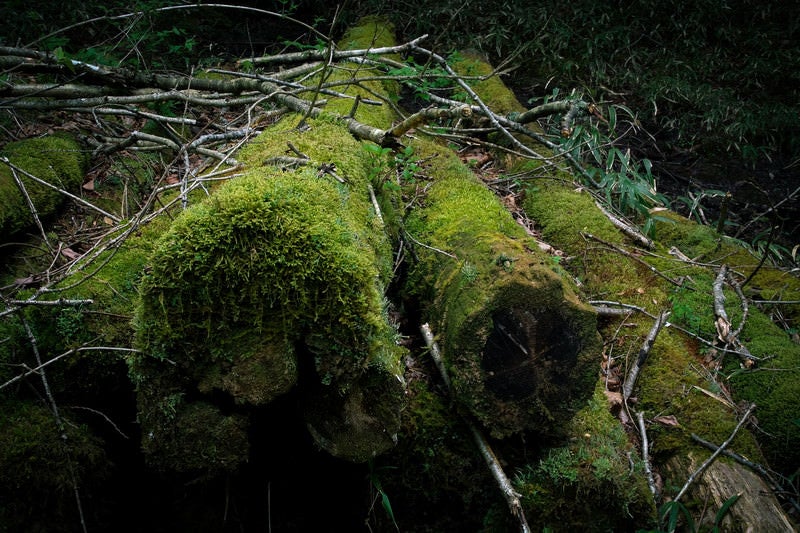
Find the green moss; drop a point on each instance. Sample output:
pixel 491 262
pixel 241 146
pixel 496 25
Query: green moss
pixel 492 90
pixel 273 260
pixel 492 276
pixel 667 384
pixel 269 250
pixel 56 159
pixel 589 484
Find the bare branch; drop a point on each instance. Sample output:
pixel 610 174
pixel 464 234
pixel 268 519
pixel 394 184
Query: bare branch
pixel 511 496
pixel 697 473
pixel 644 351
pixel 62 191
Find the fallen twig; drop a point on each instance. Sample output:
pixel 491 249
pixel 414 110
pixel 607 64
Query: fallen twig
pixel 723 324
pixel 626 228
pixel 716 453
pixel 633 373
pixel 626 253
pixel 511 496
pixel 646 454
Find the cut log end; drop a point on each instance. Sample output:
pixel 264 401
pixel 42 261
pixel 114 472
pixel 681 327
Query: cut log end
pixel 533 362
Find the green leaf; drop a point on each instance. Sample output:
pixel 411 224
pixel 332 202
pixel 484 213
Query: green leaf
pixel 725 508
pixel 612 119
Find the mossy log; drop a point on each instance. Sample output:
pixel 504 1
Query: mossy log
pixel 565 216
pixel 673 381
pixel 55 159
pixel 278 273
pixel 276 282
pixel 518 344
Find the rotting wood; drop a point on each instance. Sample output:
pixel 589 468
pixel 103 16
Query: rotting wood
pixel 518 343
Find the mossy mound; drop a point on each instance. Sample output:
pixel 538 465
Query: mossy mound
pixel 279 266
pixel 518 343
pixel 56 159
pixel 673 380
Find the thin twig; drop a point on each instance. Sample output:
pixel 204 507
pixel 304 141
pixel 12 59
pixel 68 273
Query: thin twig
pixel 714 455
pixel 644 351
pixel 646 454
pixel 62 191
pixel 31 206
pixel 629 255
pixel 56 416
pixel 511 496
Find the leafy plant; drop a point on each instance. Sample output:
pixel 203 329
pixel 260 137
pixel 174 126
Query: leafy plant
pixel 626 183
pixel 376 484
pixel 671 512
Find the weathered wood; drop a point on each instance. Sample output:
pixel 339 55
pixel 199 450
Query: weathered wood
pixel 757 509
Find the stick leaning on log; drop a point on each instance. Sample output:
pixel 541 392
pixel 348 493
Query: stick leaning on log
pixel 511 496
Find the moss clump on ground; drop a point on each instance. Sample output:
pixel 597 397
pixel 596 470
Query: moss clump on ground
pixel 56 159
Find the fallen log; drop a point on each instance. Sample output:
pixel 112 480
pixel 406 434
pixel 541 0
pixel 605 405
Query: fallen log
pixel 564 214
pixel 276 282
pixel 520 348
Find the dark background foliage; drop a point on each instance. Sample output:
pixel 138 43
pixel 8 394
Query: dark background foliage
pixel 715 86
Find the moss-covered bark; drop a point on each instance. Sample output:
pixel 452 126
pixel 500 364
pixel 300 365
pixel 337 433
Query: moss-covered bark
pixel 519 345
pixel 673 379
pixel 56 159
pixel 41 466
pixel 273 260
pixel 277 280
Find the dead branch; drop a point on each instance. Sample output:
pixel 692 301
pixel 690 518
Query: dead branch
pixel 651 482
pixel 626 228
pixel 633 373
pixel 62 191
pixel 31 207
pixel 778 487
pixel 299 57
pixel 722 323
pixel 56 415
pixel 629 255
pixel 714 455
pixel 511 496
pixel 426 115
